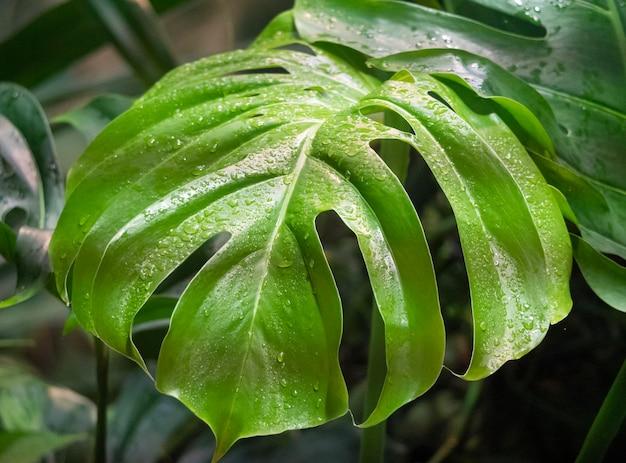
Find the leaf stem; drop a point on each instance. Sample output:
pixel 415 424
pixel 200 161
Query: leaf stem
pixel 607 422
pixel 454 439
pixel 102 375
pixel 373 438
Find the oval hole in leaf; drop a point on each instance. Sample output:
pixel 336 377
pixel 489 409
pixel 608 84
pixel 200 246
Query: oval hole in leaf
pixel 15 218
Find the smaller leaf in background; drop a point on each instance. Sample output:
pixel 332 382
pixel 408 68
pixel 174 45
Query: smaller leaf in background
pixel 27 403
pixel 91 118
pixel 137 428
pixel 69 28
pixel 605 277
pixel 31 188
pixel 31 447
pixel 133 27
pixel 36 418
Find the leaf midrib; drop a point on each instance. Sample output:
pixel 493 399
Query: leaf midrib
pixel 307 137
pixel 123 228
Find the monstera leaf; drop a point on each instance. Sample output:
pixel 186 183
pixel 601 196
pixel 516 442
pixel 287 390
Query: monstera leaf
pixel 31 191
pixel 605 276
pixel 573 52
pixel 257 144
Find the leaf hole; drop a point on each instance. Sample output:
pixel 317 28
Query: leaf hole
pixel 299 47
pixel 15 218
pixel 262 70
pixel 348 267
pixel 440 99
pixel 152 321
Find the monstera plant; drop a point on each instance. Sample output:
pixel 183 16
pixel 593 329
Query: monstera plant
pixel 519 117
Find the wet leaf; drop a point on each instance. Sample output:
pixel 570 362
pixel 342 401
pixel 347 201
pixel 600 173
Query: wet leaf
pixel 31 447
pixel 571 51
pixel 257 144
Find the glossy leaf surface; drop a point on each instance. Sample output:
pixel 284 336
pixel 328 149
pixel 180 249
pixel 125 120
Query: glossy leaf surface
pixel 575 58
pixel 31 194
pixel 597 205
pixel 257 144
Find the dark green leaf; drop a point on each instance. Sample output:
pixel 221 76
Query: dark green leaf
pixel 35 418
pixel 606 277
pixel 29 404
pixel 138 430
pixel 133 27
pixel 68 28
pixel 90 119
pixel 31 188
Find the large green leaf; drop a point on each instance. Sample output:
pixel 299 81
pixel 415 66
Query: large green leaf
pixel 31 189
pixel 257 144
pixel 578 65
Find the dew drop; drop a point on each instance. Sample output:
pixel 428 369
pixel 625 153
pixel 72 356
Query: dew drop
pixel 284 262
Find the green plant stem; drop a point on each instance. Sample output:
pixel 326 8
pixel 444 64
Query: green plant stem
pixel 455 437
pixel 373 438
pixel 607 422
pixel 396 156
pixel 102 375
